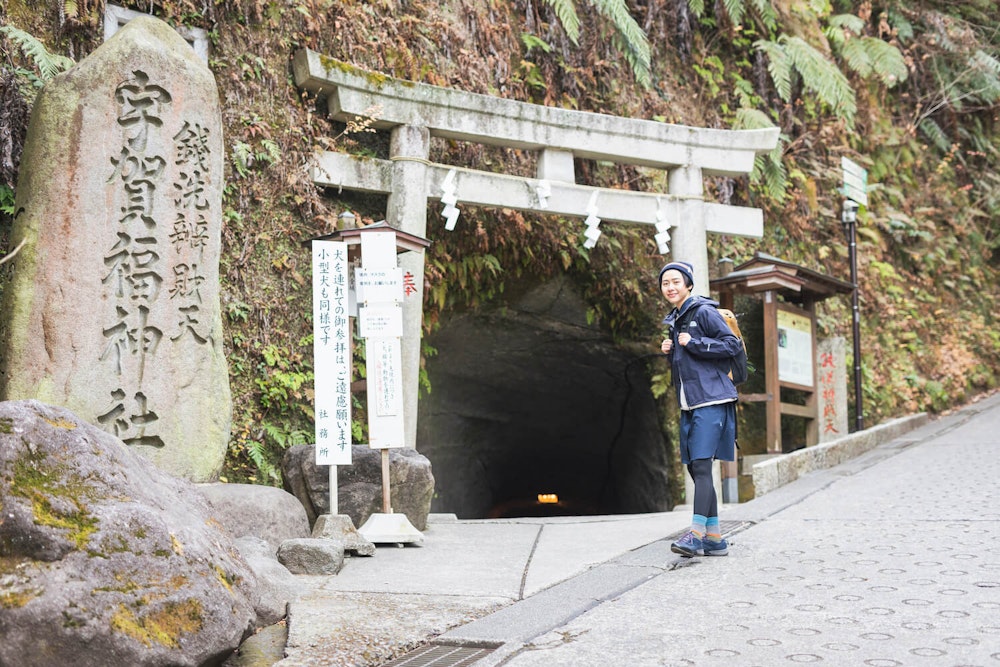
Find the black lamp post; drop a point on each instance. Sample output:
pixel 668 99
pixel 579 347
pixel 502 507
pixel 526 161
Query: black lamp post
pixel 849 217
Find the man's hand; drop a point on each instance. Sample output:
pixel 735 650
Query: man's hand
pixel 684 339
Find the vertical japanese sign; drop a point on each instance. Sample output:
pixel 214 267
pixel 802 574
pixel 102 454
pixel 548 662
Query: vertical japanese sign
pixel 828 394
pixel 331 353
pixel 380 284
pixel 831 371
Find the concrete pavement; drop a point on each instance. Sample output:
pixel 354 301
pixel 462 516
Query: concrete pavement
pixel 892 558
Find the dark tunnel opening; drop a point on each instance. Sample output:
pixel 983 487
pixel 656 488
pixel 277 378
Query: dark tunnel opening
pixel 525 405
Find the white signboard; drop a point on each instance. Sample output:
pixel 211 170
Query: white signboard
pixel 378 250
pixel 383 364
pixel 795 348
pixel 331 353
pixel 380 321
pixel 379 285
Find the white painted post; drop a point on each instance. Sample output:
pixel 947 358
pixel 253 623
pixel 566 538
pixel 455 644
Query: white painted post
pixel 334 505
pixel 407 211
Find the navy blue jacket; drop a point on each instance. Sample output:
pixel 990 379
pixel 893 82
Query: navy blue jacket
pixel 703 364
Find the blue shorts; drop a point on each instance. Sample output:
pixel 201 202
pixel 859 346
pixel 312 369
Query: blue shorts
pixel 709 432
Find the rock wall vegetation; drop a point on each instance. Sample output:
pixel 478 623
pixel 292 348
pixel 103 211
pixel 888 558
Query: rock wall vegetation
pixel 908 88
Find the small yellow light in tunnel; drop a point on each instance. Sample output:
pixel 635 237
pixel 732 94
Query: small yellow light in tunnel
pixel 548 498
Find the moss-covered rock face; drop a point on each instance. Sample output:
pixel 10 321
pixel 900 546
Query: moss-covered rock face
pixel 100 548
pixel 58 500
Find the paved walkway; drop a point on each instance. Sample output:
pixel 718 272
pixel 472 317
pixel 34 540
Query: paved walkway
pixel 890 559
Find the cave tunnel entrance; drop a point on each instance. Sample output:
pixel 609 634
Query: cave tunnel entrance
pixel 532 400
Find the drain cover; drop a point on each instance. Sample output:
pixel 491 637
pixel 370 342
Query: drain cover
pixel 441 656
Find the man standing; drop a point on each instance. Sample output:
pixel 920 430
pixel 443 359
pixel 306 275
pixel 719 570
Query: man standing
pixel 700 347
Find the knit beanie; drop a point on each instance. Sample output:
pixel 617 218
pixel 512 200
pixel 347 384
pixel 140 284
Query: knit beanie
pixel 686 269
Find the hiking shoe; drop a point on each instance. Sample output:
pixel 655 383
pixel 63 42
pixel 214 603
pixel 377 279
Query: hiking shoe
pixel 720 548
pixel 688 545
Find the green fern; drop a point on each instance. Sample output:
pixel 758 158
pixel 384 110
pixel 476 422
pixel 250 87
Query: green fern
pixel 838 24
pixel 986 76
pixel 257 451
pixel 752 119
pixel 904 29
pixel 933 131
pixel 779 66
pixel 242 158
pixel 978 137
pixel 734 8
pixel 48 64
pixel 868 56
pixel 768 169
pixel 745 92
pixel 532 42
pixel 739 10
pixel 816 72
pixel 566 12
pixel 822 76
pixel 766 13
pixel 871 56
pixel 629 37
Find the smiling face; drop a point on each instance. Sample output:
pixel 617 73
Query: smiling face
pixel 673 287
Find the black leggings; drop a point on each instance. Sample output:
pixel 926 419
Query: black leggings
pixel 705 502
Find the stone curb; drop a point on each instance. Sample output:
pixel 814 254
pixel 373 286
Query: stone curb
pixel 776 472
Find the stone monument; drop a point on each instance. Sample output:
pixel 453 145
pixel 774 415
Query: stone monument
pixel 112 308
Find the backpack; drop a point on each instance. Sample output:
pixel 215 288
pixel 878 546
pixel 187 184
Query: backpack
pixel 738 370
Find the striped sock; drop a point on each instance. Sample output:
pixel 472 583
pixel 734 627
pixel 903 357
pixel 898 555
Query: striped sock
pixel 698 525
pixel 713 532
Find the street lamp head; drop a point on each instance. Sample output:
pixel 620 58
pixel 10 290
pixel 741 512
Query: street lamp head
pixel 850 212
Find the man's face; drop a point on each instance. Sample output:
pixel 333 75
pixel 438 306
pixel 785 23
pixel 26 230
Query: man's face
pixel 673 287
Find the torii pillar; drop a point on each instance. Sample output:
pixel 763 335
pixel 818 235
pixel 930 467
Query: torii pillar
pixel 690 240
pixel 406 210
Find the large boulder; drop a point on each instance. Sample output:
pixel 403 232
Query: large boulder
pixel 104 559
pixel 276 585
pixel 359 485
pixel 254 510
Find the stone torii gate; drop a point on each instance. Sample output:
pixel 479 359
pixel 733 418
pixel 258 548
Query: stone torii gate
pixel 415 112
